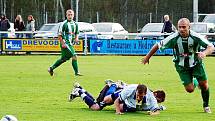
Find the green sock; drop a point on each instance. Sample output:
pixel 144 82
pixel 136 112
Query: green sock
pixel 57 63
pixel 205 97
pixel 195 82
pixel 75 66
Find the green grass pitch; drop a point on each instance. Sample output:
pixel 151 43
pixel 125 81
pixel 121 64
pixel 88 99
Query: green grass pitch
pixel 29 93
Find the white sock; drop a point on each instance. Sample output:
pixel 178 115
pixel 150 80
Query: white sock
pixel 83 95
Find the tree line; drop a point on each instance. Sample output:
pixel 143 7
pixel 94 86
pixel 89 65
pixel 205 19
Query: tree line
pixel 132 14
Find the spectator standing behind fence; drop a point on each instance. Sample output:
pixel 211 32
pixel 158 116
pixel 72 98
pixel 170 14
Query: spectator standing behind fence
pixel 19 26
pixel 30 26
pixel 167 26
pixel 4 26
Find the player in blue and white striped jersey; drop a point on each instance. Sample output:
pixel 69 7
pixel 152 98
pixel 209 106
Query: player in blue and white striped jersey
pixel 149 103
pixel 151 100
pixel 126 102
pixel 131 96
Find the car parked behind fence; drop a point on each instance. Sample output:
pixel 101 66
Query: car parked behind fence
pixel 206 29
pixel 153 31
pixel 50 30
pixel 201 27
pixel 108 30
pixel 87 30
pixel 210 18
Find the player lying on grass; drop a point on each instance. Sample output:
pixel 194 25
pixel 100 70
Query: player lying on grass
pixel 108 89
pixel 136 97
pixel 111 92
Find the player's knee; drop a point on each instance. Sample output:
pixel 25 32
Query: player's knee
pixel 63 60
pixel 95 107
pixel 108 99
pixel 203 85
pixel 74 58
pixel 190 90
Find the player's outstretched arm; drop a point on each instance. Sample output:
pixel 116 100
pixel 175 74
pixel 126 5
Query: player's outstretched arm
pixel 152 113
pixel 150 53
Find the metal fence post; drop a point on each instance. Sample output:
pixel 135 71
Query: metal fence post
pixel 0 45
pixel 85 44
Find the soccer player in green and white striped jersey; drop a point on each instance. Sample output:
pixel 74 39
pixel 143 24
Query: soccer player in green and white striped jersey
pixel 68 34
pixel 188 58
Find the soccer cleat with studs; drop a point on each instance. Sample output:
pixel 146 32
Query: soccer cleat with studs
pixel 74 94
pixel 120 84
pixel 51 71
pixel 78 74
pixel 207 110
pixel 109 82
pixel 77 85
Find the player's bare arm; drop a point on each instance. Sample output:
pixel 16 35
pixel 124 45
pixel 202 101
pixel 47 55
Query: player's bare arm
pixel 150 53
pixel 76 38
pixel 117 106
pixel 61 41
pixel 206 52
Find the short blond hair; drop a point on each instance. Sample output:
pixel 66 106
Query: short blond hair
pixel 69 11
pixel 166 17
pixel 184 20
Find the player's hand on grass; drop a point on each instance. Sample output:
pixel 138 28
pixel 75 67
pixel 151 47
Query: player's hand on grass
pixel 119 113
pixel 152 113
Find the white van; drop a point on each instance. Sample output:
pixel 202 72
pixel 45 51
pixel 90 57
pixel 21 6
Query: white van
pixel 108 30
pixel 201 27
pixel 50 30
pixel 210 18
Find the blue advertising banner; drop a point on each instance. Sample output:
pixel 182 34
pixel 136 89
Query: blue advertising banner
pixel 13 45
pixel 133 47
pixel 36 45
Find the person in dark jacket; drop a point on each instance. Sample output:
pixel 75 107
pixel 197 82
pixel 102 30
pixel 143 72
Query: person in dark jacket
pixel 167 26
pixel 4 25
pixel 19 26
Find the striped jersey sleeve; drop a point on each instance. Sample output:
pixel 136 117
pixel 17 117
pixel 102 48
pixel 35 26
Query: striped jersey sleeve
pixel 60 30
pixel 168 42
pixel 201 39
pixel 77 29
